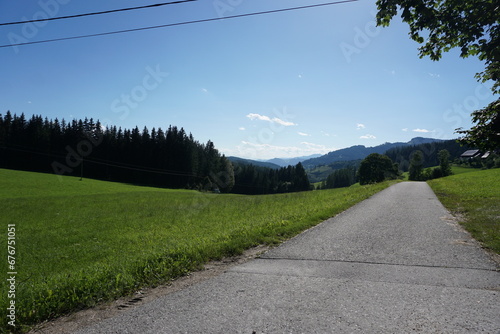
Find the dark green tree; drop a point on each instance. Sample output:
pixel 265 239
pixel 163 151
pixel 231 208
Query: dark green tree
pixel 416 166
pixel 340 178
pixel 444 162
pixel 172 159
pixel 300 181
pixel 225 178
pixel 485 134
pixel 402 154
pixel 376 168
pixel 251 180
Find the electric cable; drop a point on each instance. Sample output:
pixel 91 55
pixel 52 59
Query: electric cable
pixel 105 162
pixel 96 13
pixel 178 24
pixel 119 165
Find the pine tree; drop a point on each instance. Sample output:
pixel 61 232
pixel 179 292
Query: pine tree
pixel 444 162
pixel 416 166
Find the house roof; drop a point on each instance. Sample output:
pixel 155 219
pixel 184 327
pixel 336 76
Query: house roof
pixel 470 154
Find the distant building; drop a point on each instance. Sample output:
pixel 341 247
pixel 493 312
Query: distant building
pixel 470 154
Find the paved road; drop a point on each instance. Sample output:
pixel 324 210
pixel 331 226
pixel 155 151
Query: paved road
pixel 395 263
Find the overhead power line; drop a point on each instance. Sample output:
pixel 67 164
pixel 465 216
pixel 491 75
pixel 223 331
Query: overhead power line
pixel 105 162
pixel 97 13
pixel 178 23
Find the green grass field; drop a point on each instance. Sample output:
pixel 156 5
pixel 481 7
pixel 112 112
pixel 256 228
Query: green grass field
pixel 79 243
pixel 456 170
pixel 473 195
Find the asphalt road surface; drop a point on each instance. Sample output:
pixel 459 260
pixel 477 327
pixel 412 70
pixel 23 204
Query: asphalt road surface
pixel 395 263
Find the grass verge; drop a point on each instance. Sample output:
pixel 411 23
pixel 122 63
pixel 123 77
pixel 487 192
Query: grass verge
pixel 475 196
pixel 80 243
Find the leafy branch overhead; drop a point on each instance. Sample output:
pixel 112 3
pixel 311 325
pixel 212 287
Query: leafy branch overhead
pixel 473 27
pixel 441 25
pixel 485 133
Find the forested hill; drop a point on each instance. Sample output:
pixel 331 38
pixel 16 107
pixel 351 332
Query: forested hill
pixel 170 158
pixel 402 155
pixel 242 161
pixel 158 158
pixel 360 152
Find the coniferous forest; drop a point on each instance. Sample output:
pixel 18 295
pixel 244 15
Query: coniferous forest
pixel 168 158
pixel 250 179
pixel 402 155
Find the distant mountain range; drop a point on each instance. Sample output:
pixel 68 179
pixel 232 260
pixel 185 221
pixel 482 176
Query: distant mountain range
pixel 253 162
pixel 283 162
pixel 359 152
pixel 275 163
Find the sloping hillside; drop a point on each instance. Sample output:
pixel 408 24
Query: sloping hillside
pixel 253 162
pixel 359 152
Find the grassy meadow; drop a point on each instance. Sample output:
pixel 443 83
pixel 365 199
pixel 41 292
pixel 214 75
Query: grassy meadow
pixel 474 196
pixel 80 243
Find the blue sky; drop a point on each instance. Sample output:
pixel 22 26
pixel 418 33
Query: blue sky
pixel 277 85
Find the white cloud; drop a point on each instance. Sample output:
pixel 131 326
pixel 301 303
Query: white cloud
pixel 405 129
pixel 204 90
pixel 368 136
pixel 303 134
pixel 421 130
pixel 241 128
pixel 435 75
pixel 277 120
pixel 300 76
pixel 259 117
pixel 285 123
pixel 360 126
